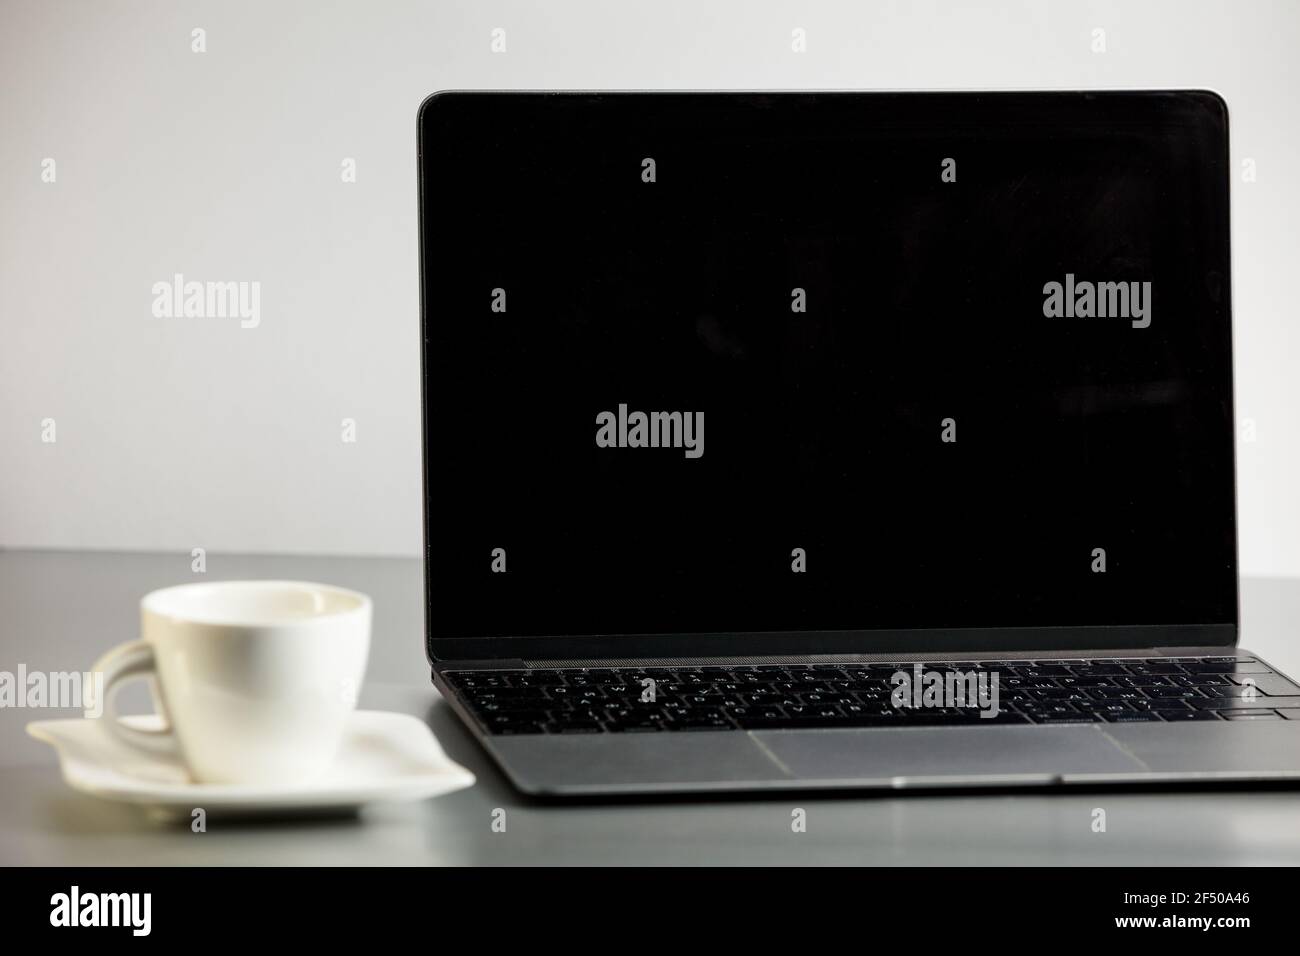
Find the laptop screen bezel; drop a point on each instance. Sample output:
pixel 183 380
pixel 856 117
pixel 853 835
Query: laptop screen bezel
pixel 955 641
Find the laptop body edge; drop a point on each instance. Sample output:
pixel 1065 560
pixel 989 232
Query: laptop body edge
pixel 914 758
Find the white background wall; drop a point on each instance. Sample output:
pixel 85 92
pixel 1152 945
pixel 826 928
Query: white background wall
pixel 183 433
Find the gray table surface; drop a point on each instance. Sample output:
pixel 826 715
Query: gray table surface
pixel 59 610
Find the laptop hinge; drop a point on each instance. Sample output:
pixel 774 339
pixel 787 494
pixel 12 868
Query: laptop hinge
pixel 1110 652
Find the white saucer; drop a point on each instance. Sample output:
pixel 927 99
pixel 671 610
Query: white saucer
pixel 383 757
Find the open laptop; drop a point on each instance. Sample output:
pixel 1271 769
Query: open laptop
pixel 836 440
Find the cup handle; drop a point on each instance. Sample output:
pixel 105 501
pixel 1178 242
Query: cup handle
pixel 126 662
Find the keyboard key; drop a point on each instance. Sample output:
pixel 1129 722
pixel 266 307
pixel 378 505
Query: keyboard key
pixel 1134 717
pixel 1201 680
pixel 1209 667
pixel 1047 709
pixel 1155 681
pixel 1119 707
pixel 508 693
pixel 1117 693
pixel 473 681
pixel 1154 669
pixel 518 717
pixel 1161 704
pixel 537 679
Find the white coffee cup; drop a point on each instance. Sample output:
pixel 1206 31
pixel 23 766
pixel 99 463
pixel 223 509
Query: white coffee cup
pixel 255 679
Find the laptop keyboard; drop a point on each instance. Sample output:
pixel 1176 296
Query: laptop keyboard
pixel 798 696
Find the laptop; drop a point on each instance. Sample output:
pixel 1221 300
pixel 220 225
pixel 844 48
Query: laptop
pixel 837 440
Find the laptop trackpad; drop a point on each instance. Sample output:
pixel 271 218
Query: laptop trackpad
pixel 949 755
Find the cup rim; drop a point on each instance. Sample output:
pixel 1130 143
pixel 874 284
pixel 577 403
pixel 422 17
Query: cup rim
pixel 154 603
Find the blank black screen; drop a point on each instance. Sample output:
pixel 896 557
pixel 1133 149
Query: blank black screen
pixel 824 428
